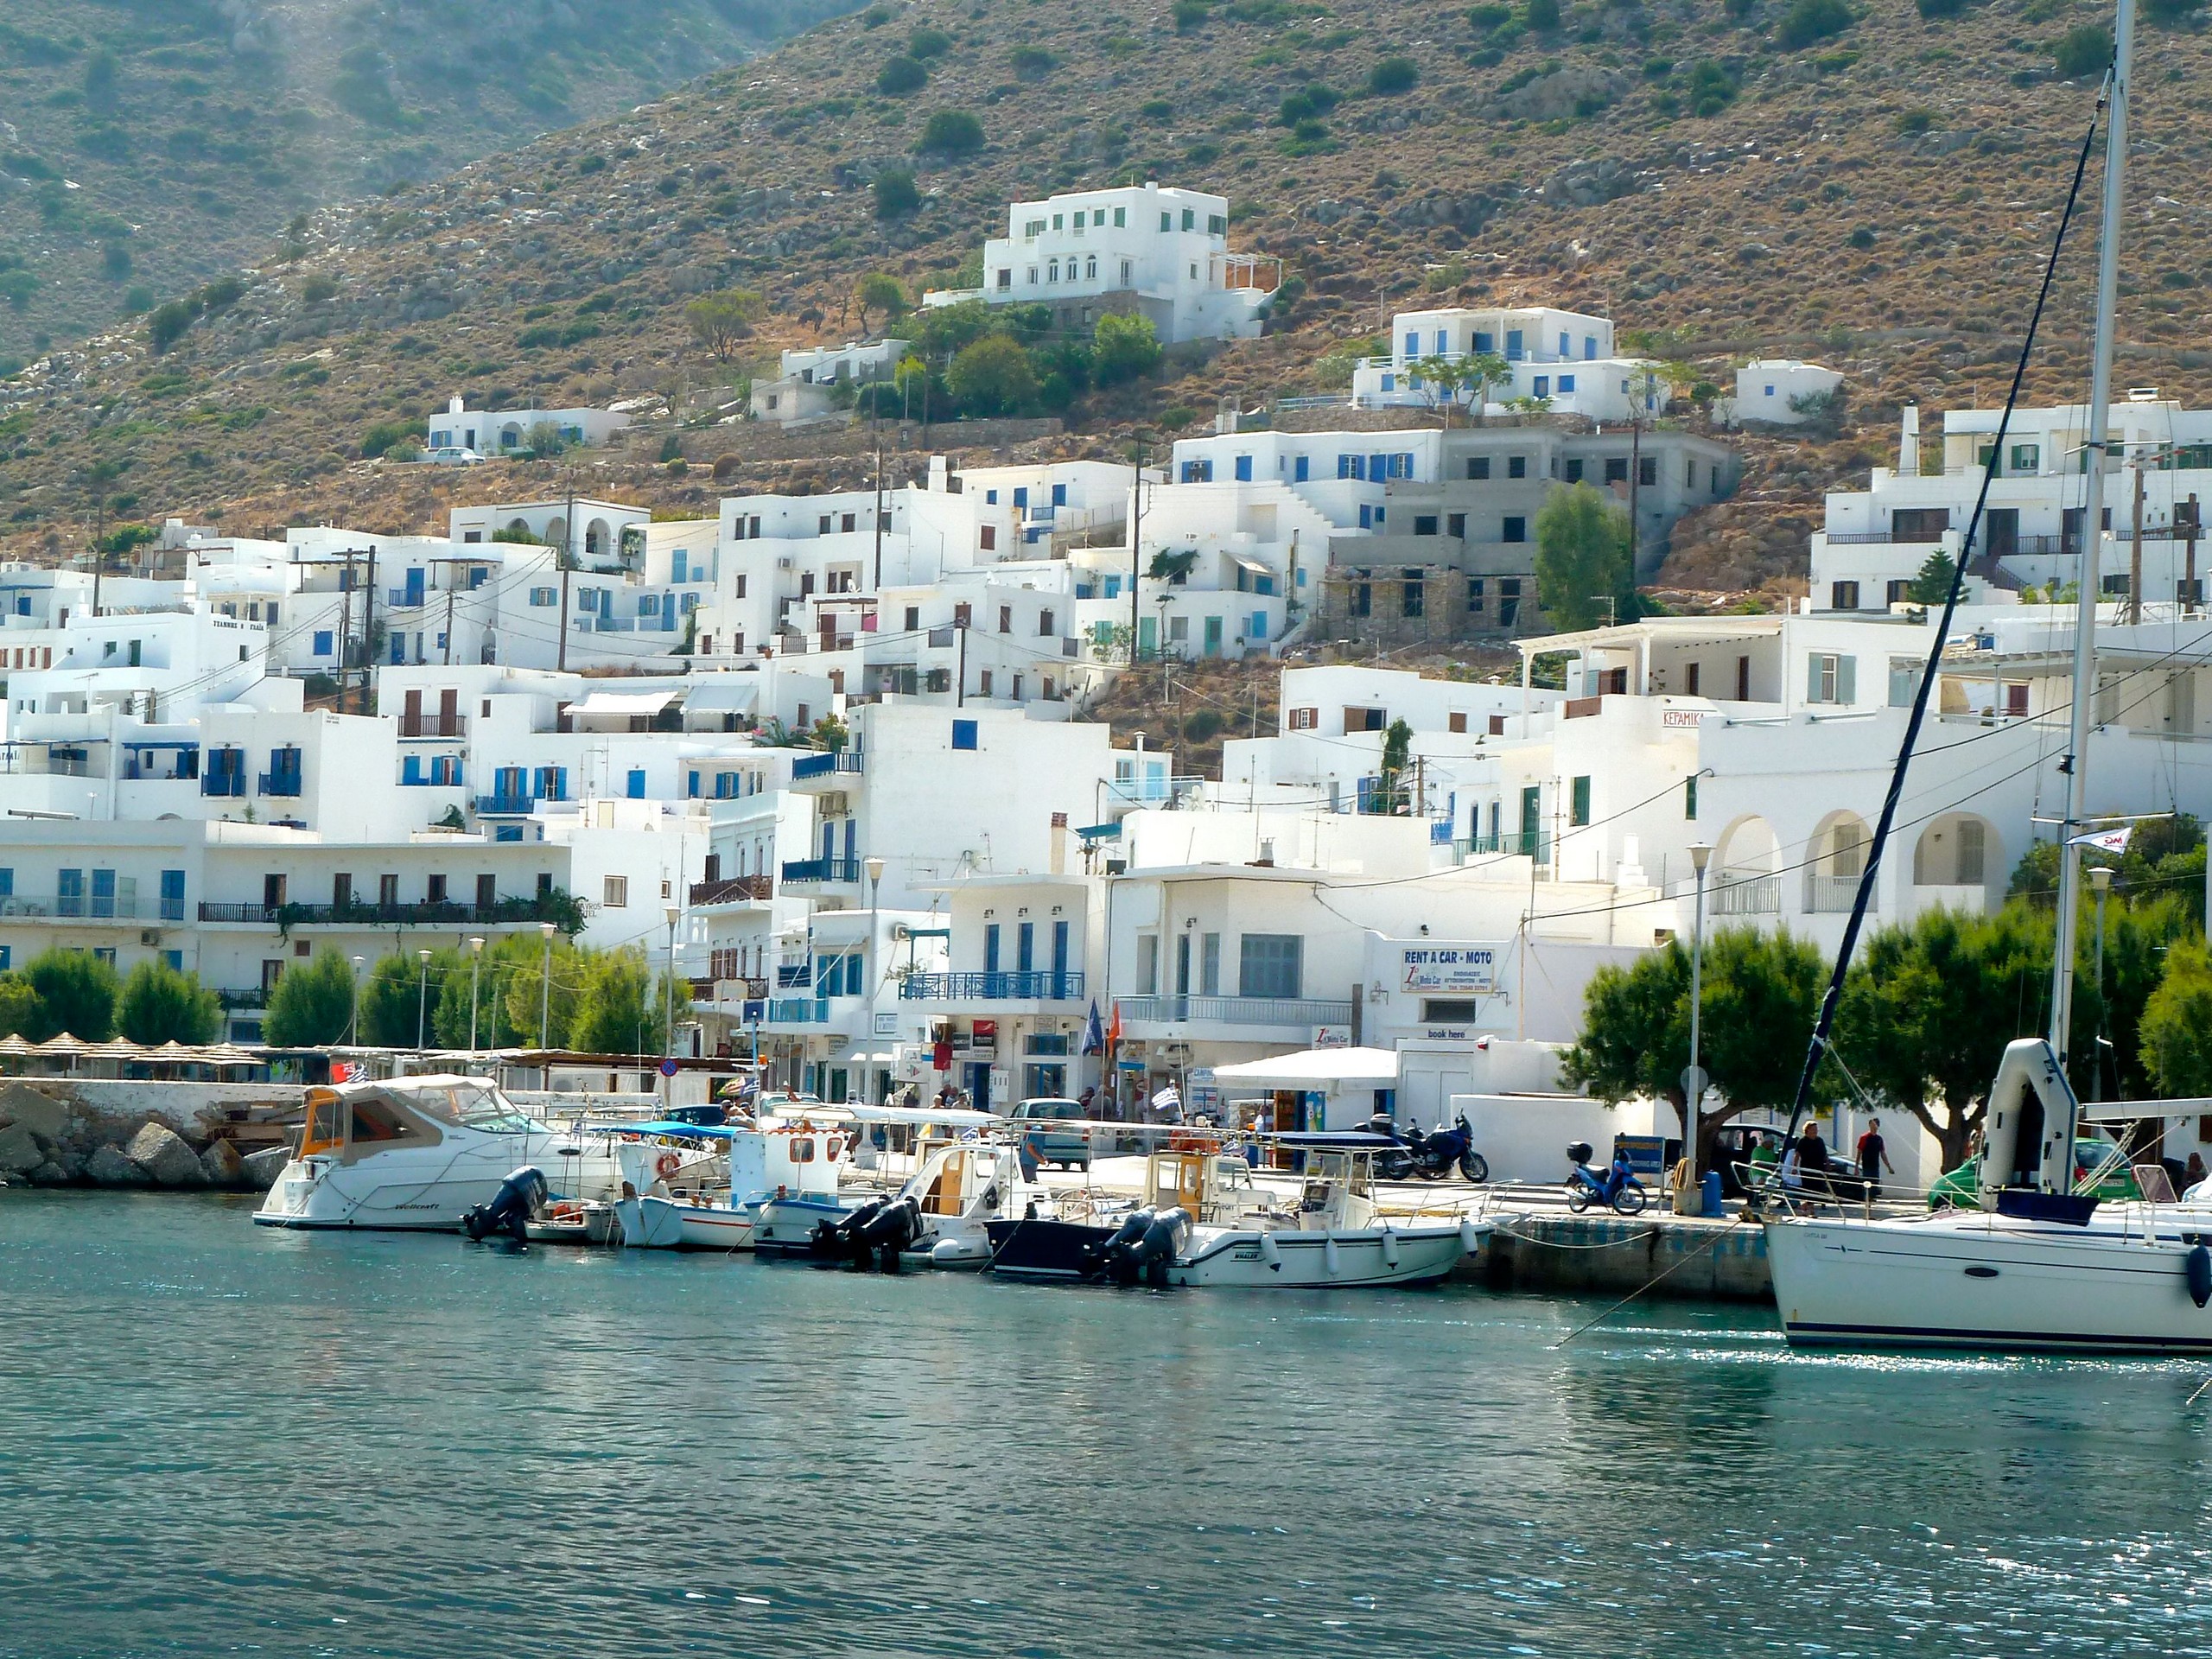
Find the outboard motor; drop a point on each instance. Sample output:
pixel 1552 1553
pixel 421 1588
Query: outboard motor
pixel 1104 1260
pixel 890 1230
pixel 833 1241
pixel 521 1196
pixel 1156 1251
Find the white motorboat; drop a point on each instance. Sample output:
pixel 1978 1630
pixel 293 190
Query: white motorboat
pixel 781 1160
pixel 415 1152
pixel 786 1223
pixel 1204 1223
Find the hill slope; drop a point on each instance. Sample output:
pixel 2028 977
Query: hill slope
pixel 1875 188
pixel 150 144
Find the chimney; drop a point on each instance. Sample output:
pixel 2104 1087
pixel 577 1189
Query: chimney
pixel 1059 843
pixel 1909 442
pixel 454 405
pixel 1267 859
pixel 937 470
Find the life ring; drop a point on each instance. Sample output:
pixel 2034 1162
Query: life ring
pixel 666 1165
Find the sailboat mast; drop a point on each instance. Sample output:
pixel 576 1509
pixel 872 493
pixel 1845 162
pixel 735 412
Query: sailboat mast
pixel 2095 441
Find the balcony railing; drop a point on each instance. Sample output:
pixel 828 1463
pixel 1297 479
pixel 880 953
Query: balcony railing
pixel 439 725
pixel 1237 1010
pixel 511 912
pixel 1753 895
pixel 1826 894
pixel 234 997
pixel 822 869
pixel 505 806
pixel 731 890
pixel 796 1010
pixel 822 765
pixel 1017 986
pixel 280 783
pixel 77 907
pixel 223 783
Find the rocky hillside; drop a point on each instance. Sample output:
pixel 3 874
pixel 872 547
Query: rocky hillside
pixel 148 145
pixel 1864 183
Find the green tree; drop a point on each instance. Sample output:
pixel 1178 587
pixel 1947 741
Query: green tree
pixel 544 439
pixel 20 1008
pixel 1393 75
pixel 880 291
pixel 313 1004
pixel 993 377
pixel 1124 348
pixel 2082 52
pixel 901 76
pixel 77 993
pixel 1761 991
pixel 401 990
pixel 160 1005
pixel 1542 15
pixel 2177 1034
pixel 525 984
pixel 165 323
pixel 896 193
pixel 1933 585
pixel 1809 20
pixel 1582 559
pixel 613 1015
pixel 722 322
pixel 951 132
pixel 1397 747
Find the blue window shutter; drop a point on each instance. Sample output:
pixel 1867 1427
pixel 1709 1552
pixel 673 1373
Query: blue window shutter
pixel 1846 679
pixel 1244 469
pixel 990 947
pixel 637 783
pixel 410 770
pixel 963 733
pixel 693 788
pixel 1298 474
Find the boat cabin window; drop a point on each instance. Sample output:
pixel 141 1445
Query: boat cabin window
pixel 1315 1196
pixel 833 1149
pixel 374 1121
pixel 803 1150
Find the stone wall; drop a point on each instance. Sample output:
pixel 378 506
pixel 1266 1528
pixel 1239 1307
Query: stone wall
pixel 70 1132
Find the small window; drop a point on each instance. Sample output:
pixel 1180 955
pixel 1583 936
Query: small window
pixel 963 733
pixel 1689 796
pixel 1456 524
pixel 1843 595
pixel 1616 469
pixel 1425 524
pixel 1573 472
pixel 615 892
pixel 1516 465
pixel 1455 722
pixel 1647 471
pixel 1478 467
pixel 1514 529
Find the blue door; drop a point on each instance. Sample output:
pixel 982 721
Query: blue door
pixel 637 783
pixel 414 588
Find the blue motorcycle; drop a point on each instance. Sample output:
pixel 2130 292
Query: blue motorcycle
pixel 1618 1188
pixel 1434 1155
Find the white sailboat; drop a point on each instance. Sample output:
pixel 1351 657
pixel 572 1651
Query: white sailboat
pixel 2040 1268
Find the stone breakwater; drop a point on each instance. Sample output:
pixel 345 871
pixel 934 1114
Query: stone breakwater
pixel 56 1132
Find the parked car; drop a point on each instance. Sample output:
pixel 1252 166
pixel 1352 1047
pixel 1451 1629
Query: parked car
pixel 1069 1147
pixel 452 456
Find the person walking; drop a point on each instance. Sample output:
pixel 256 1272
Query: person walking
pixel 1873 1158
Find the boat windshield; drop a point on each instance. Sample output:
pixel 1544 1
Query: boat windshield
pixel 472 1102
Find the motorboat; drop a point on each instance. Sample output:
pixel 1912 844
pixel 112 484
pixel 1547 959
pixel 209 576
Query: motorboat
pixel 786 1223
pixel 2036 1266
pixel 1204 1222
pixel 782 1159
pixel 416 1153
pixel 940 1216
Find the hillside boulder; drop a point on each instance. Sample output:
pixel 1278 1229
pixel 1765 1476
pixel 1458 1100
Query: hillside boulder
pixel 162 1154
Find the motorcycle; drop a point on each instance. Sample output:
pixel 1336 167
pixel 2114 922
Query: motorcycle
pixel 1618 1188
pixel 1433 1154
pixel 1394 1162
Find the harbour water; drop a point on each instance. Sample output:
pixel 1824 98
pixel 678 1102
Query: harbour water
pixel 219 1439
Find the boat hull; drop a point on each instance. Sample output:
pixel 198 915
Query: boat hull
pixel 711 1227
pixel 1031 1249
pixel 784 1227
pixel 1358 1260
pixel 1985 1284
pixel 649 1222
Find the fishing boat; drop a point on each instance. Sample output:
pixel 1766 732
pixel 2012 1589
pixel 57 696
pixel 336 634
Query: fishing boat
pixel 2039 1266
pixel 785 1223
pixel 940 1216
pixel 414 1154
pixel 1204 1223
pixel 786 1160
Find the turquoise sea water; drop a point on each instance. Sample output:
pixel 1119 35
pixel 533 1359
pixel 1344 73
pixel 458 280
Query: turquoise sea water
pixel 216 1439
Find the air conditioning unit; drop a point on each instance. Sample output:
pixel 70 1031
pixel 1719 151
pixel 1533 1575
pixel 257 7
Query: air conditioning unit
pixel 834 805
pixel 149 937
pixel 900 933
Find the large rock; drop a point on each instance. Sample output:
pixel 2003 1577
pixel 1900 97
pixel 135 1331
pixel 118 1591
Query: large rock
pixel 20 1151
pixel 107 1166
pixel 260 1169
pixel 24 1107
pixel 222 1164
pixel 53 1174
pixel 162 1154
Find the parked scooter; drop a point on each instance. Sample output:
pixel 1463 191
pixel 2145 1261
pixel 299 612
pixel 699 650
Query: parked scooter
pixel 1618 1188
pixel 1434 1155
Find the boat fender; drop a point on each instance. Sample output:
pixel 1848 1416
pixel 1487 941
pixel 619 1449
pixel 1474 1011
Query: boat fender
pixel 949 1253
pixel 1389 1247
pixel 1471 1237
pixel 666 1165
pixel 1271 1252
pixel 1329 1254
pixel 2199 1267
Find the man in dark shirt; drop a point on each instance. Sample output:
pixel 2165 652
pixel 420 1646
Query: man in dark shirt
pixel 1873 1158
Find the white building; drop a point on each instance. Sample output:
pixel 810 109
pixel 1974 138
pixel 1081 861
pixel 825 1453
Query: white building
pixel 1159 252
pixel 1778 391
pixel 808 378
pixel 507 431
pixel 1563 360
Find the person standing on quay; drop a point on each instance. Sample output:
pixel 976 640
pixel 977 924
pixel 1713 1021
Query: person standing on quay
pixel 1873 1158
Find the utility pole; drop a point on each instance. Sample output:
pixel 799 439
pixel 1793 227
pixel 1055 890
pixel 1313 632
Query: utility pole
pixel 565 556
pixel 879 508
pixel 2188 520
pixel 1136 548
pixel 2135 552
pixel 345 626
pixel 960 674
pixel 368 631
pixel 1636 474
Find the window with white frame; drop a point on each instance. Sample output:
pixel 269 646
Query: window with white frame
pixel 1830 677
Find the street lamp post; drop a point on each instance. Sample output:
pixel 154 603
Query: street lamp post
pixel 423 1002
pixel 475 978
pixel 875 867
pixel 545 1001
pixel 1694 1080
pixel 668 1042
pixel 353 1022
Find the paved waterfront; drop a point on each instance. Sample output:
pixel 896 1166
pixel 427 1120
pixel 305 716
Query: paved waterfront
pixel 217 1440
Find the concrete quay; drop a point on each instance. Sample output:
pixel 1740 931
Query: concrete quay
pixel 1684 1257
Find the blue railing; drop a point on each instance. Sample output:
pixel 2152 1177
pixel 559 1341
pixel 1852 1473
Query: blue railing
pixel 1017 986
pixel 1238 1010
pixel 821 765
pixel 280 783
pixel 223 783
pixel 796 1010
pixel 504 805
pixel 822 869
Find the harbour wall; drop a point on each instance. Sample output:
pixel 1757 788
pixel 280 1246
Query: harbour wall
pixel 1669 1256
pixel 106 1132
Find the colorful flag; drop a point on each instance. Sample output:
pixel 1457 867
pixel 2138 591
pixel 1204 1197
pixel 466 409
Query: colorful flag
pixel 1114 1029
pixel 1094 1033
pixel 346 1070
pixel 2106 840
